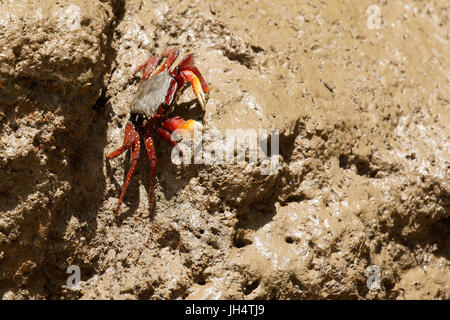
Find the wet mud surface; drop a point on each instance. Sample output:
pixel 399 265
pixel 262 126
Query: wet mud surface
pixel 362 184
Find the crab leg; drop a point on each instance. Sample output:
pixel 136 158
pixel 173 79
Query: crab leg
pixel 171 55
pixel 188 64
pixel 131 140
pixel 130 136
pixel 150 147
pixel 167 135
pixel 149 65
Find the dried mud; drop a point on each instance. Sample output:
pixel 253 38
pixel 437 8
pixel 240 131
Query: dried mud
pixel 363 116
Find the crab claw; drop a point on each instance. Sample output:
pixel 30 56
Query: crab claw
pixel 190 128
pixel 183 128
pixel 188 75
pixel 201 98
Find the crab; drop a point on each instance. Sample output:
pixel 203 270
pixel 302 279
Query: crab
pixel 153 102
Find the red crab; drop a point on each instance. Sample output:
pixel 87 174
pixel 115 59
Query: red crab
pixel 148 112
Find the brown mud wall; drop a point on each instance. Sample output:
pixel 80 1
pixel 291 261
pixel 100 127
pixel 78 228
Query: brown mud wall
pixel 363 115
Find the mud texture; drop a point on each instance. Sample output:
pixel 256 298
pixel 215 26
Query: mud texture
pixel 363 183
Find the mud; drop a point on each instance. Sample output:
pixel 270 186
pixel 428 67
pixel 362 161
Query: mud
pixel 364 152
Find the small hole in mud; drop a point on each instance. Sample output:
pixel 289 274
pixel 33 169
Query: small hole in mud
pixel 257 49
pixel 170 238
pixel 289 240
pixel 201 231
pixel 146 294
pixel 100 104
pixel 240 239
pixel 343 161
pixel 294 198
pixel 363 167
pixel 200 279
pixel 250 286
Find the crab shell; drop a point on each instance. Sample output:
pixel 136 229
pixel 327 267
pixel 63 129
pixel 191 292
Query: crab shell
pixel 151 94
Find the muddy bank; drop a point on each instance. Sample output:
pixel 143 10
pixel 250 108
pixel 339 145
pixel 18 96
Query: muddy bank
pixel 362 112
